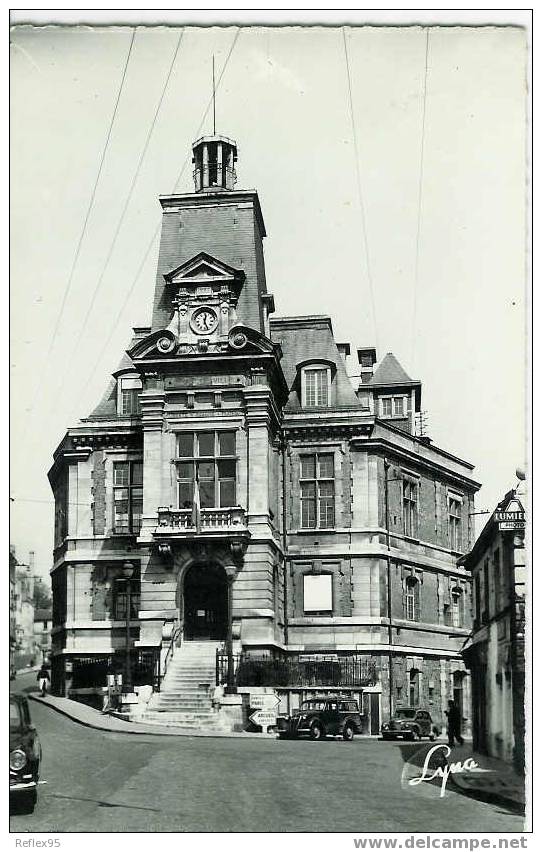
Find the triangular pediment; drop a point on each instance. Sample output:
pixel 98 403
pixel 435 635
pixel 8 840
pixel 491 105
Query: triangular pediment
pixel 203 269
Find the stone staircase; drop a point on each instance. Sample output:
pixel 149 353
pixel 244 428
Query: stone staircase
pixel 185 698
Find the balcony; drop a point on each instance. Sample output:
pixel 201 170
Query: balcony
pixel 208 524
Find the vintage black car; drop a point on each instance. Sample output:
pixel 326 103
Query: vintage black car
pixel 24 752
pixel 320 717
pixel 410 723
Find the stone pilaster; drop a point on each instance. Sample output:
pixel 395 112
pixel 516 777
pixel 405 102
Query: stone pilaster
pixel 152 415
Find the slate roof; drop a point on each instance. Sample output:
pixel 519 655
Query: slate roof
pixel 390 372
pixel 107 407
pixel 305 339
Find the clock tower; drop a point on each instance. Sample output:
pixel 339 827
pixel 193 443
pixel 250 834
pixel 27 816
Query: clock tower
pixel 212 392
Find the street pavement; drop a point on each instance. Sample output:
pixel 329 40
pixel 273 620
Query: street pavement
pixel 116 782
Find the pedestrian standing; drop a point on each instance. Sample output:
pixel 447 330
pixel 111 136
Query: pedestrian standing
pixel 454 724
pixel 43 679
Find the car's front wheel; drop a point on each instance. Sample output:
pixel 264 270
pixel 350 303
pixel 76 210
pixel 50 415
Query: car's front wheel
pixel 317 732
pixel 348 732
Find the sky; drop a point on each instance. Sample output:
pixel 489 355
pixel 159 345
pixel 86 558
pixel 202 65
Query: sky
pixel 402 218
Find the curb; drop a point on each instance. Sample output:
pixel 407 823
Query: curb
pixel 165 732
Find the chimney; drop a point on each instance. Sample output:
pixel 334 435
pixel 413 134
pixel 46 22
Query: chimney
pixel 344 349
pixel 367 360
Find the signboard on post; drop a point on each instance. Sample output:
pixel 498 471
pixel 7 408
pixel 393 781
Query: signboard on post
pixel 264 701
pixel 265 706
pixel 265 718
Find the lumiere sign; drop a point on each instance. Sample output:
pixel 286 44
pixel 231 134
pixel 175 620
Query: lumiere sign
pixel 511 518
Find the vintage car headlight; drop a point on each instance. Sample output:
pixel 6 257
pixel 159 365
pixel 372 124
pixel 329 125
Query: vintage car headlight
pixel 385 726
pixel 17 759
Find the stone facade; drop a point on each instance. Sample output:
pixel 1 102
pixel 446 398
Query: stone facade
pixel 262 498
pixel 495 654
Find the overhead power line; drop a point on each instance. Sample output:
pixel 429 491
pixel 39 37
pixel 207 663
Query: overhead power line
pixel 360 189
pixel 420 188
pixel 68 286
pixel 128 198
pixel 157 229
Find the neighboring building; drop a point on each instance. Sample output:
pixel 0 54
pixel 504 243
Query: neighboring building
pixel 42 633
pixel 262 498
pixel 495 653
pixel 23 610
pixel 12 607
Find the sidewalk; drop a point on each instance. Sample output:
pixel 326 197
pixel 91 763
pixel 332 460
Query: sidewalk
pixel 92 718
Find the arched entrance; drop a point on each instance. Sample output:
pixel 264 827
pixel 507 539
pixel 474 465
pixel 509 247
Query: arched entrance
pixel 205 602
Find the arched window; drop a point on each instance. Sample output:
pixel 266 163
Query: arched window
pixel 458 607
pixel 412 599
pixel 316 386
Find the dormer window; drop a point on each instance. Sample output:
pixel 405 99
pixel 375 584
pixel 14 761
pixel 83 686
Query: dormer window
pixel 129 388
pixel 315 386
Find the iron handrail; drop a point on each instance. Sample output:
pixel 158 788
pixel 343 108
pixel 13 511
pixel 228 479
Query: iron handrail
pixel 171 647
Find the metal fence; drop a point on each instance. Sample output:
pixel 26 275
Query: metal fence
pixel 294 671
pixel 89 671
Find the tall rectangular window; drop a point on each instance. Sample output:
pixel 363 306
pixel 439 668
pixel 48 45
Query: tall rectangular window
pixel 387 409
pixel 410 508
pixel 454 521
pixel 412 599
pixel 128 398
pixel 130 401
pixel 317 491
pixel 210 458
pixel 316 387
pixel 120 598
pixel 127 496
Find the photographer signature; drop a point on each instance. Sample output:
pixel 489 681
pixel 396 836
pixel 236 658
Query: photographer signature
pixel 444 770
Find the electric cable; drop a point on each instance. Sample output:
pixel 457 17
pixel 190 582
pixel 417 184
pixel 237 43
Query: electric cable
pixel 69 282
pixel 157 229
pixel 420 187
pixel 360 189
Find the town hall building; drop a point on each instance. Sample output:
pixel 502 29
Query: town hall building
pixel 236 515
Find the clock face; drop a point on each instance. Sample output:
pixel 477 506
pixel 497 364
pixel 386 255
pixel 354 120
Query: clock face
pixel 204 321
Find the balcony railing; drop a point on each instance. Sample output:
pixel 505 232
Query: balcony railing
pixel 293 671
pixel 230 519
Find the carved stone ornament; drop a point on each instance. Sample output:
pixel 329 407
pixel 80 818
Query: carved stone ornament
pixel 165 345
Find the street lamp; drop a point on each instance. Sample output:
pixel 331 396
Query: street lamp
pixel 127 573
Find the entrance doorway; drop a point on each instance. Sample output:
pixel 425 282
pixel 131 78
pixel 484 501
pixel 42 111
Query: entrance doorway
pixel 205 597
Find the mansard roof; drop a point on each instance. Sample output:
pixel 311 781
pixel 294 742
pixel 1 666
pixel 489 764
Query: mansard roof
pixel 107 407
pixel 309 339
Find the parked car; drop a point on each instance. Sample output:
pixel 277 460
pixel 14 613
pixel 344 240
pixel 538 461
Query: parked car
pixel 320 717
pixel 24 752
pixel 410 723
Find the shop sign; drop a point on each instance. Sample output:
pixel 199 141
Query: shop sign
pixel 510 520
